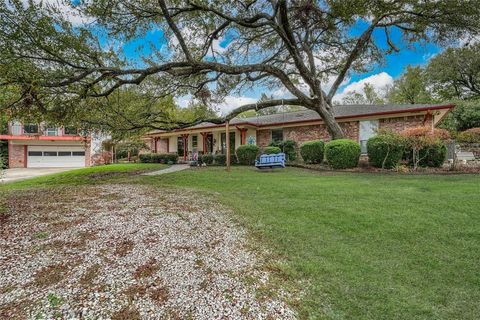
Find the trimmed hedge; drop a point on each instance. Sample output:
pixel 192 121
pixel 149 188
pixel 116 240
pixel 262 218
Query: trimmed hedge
pixel 207 159
pixel 433 155
pixel 289 147
pixel 385 150
pixel 342 153
pixel 221 159
pixel 312 151
pixel 271 150
pixel 247 154
pixel 158 158
pixel 469 136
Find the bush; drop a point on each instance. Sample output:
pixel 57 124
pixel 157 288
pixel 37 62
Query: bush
pixel 247 154
pixel 469 136
pixel 342 153
pixel 433 155
pixel 385 150
pixel 164 158
pixel 221 159
pixel 207 159
pixel 271 150
pixel 425 147
pixel 289 147
pixel 312 151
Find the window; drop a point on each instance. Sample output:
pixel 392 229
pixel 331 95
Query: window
pixel 78 153
pixel 64 153
pixel 368 129
pixel 49 153
pixel 51 132
pixel 180 145
pixel 194 141
pixel 34 153
pixel 70 131
pixel 30 128
pixel 277 135
pixel 224 143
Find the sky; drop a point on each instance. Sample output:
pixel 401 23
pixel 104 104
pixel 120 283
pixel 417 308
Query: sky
pixel 380 76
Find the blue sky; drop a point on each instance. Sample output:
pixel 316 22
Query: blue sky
pixel 379 75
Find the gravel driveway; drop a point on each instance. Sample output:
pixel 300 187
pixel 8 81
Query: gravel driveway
pixel 127 252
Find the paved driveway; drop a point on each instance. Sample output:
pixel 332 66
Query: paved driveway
pixel 25 173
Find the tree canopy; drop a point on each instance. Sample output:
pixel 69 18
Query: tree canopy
pixel 54 65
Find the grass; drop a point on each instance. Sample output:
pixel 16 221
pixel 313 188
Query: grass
pixel 357 246
pixel 361 246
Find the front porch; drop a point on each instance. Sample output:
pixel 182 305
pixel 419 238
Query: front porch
pixel 199 141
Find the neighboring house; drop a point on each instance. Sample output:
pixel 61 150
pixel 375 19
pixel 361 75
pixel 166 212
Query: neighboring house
pixel 40 146
pixel 359 123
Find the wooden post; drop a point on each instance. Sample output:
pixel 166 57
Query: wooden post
pixel 227 137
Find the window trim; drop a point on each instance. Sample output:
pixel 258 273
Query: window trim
pixel 271 135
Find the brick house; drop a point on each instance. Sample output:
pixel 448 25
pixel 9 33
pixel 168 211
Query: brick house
pixel 41 146
pixel 359 122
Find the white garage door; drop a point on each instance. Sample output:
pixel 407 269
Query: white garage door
pixel 55 156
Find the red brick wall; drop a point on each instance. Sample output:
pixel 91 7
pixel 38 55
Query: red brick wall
pixel 88 155
pixel 16 156
pixel 402 123
pixel 264 137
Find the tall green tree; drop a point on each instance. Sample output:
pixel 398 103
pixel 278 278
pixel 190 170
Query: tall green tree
pixel 369 96
pixel 295 45
pixel 411 87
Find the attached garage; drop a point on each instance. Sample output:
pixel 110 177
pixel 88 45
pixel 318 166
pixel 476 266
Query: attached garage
pixel 55 156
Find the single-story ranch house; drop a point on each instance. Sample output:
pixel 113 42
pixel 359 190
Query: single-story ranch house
pixel 359 122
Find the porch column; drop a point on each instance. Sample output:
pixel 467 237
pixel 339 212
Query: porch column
pixel 243 133
pixel 227 137
pixel 185 144
pixel 204 137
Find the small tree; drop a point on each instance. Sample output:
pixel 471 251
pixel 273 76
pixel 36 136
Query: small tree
pixel 422 138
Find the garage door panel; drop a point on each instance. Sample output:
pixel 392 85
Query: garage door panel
pixel 55 156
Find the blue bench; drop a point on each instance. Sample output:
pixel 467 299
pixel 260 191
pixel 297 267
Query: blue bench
pixel 271 161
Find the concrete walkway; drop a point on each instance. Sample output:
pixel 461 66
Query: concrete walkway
pixel 26 173
pixel 174 168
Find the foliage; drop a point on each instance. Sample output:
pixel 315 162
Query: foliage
pixel 271 150
pixel 207 159
pixel 455 73
pixel 385 150
pixel 469 136
pixel 410 88
pixel 133 146
pixel 289 147
pixel 465 115
pixel 312 151
pixel 164 158
pixel 369 96
pixel 425 146
pixel 342 153
pixel 51 65
pixel 3 154
pixel 247 154
pixel 221 159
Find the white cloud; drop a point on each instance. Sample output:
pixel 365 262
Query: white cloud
pixel 379 81
pixel 232 102
pixel 67 10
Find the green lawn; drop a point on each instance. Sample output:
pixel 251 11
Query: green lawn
pixel 356 246
pixel 362 246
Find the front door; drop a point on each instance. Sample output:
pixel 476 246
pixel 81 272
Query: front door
pixel 209 143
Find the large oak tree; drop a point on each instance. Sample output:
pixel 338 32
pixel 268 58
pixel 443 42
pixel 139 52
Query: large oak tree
pixel 297 46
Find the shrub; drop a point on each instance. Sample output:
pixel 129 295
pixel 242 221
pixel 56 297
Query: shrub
pixel 271 150
pixel 158 158
pixel 221 159
pixel 385 150
pixel 207 159
pixel 433 155
pixel 145 157
pixel 289 147
pixel 342 153
pixel 469 136
pixel 312 151
pixel 247 154
pixel 425 147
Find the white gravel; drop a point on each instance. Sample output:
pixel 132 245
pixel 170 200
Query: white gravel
pixel 128 252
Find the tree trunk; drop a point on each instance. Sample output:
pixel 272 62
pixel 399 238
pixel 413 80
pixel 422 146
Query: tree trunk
pixel 326 113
